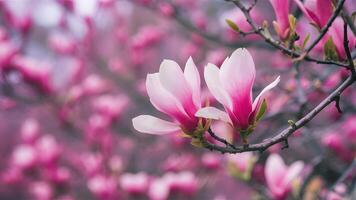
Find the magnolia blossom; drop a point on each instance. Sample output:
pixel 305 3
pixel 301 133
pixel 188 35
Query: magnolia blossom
pixel 317 11
pixel 279 177
pixel 134 183
pixel 231 85
pixel 336 33
pixel 281 10
pixel 241 165
pixel 175 93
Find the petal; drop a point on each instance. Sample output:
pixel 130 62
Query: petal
pixel 213 113
pixel 260 97
pixel 212 79
pixel 292 173
pixel 237 77
pixel 152 125
pixel 237 74
pixel 336 33
pixel 162 100
pixel 173 80
pixel 324 11
pixel 303 9
pixel 281 10
pixel 275 170
pixel 192 77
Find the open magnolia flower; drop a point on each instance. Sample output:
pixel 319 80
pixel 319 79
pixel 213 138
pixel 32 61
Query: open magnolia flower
pixel 280 177
pixel 231 85
pixel 175 93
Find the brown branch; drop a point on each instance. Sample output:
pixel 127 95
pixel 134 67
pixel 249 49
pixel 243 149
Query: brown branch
pixel 350 171
pixel 349 21
pixel 277 44
pixel 283 135
pixel 213 135
pixel 347 49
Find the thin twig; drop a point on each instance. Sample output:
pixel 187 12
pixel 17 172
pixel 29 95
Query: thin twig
pixel 347 49
pixel 349 171
pixel 349 21
pixel 212 134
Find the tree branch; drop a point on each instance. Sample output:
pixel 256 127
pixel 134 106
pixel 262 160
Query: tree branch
pixel 277 44
pixel 347 49
pixel 283 135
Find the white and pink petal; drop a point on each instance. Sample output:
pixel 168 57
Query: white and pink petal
pixel 212 79
pixel 192 77
pixel 258 101
pixel 160 98
pixel 173 80
pixel 213 113
pixel 153 125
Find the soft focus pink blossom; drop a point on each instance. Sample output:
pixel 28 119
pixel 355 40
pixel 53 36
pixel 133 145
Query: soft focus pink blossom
pixel 184 181
pixel 159 190
pixel 103 187
pixel 24 156
pixel 349 126
pixel 279 177
pixel 42 191
pixel 242 161
pixel 134 183
pixel 34 71
pixel 30 130
pixel 337 193
pixel 211 161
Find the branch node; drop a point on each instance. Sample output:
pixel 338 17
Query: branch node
pixel 245 146
pixel 292 124
pixel 337 103
pixel 286 144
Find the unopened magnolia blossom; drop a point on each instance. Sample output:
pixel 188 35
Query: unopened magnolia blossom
pixel 281 25
pixel 336 33
pixel 175 93
pixel 317 11
pixel 279 177
pixel 231 85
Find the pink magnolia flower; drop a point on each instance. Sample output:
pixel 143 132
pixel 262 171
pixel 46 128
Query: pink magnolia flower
pixel 30 130
pixel 336 32
pixel 103 187
pixel 35 72
pixel 241 165
pixel 24 156
pixel 243 162
pixel 279 177
pixel 231 85
pixel 184 181
pixel 159 190
pixel 41 190
pixel 317 11
pixel 281 10
pixel 134 183
pixel 175 93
